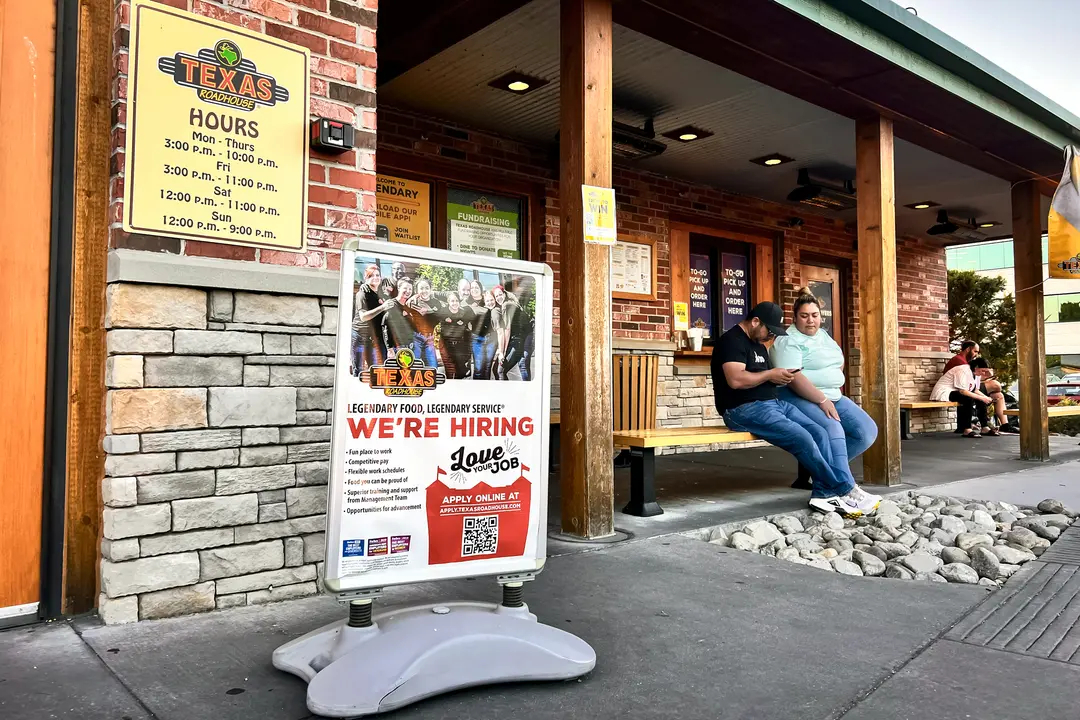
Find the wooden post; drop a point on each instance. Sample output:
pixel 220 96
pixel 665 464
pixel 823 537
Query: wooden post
pixel 586 470
pixel 1030 330
pixel 878 331
pixel 90 247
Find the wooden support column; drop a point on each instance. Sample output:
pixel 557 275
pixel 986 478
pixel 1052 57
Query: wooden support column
pixel 1030 331
pixel 878 332
pixel 586 470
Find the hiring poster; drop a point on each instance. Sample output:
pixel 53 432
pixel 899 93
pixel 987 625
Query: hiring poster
pixel 217 132
pixel 441 417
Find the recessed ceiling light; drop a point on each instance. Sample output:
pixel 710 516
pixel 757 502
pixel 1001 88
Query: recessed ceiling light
pixel 772 160
pixel 989 224
pixel 687 133
pixel 922 205
pixel 517 83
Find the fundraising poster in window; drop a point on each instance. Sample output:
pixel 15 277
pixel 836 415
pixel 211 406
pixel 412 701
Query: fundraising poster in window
pixel 441 417
pixel 483 223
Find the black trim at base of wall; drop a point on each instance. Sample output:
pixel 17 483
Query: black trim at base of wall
pixel 56 377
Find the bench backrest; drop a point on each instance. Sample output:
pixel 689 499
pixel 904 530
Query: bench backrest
pixel 634 382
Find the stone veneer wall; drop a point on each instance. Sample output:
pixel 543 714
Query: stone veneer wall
pixel 217 448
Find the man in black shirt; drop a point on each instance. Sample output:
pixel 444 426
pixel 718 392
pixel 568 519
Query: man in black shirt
pixel 744 386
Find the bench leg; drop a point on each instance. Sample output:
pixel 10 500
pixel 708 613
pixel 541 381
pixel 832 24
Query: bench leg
pixel 642 484
pixel 905 426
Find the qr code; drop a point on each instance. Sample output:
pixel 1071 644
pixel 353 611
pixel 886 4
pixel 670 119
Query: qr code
pixel 480 536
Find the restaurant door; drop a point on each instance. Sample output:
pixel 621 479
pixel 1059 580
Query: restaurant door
pixel 27 38
pixel 825 284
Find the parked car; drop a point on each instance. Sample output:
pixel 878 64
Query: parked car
pixel 1060 391
pixel 1070 379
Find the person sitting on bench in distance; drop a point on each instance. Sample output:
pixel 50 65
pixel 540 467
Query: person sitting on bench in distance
pixel 816 390
pixel 745 389
pixel 993 390
pixel 960 385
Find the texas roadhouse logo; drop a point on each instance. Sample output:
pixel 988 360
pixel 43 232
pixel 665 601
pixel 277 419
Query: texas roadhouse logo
pixel 223 76
pixel 403 376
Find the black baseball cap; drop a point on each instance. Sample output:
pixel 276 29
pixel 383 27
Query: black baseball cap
pixel 771 315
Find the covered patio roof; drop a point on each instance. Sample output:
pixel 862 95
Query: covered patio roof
pixel 784 77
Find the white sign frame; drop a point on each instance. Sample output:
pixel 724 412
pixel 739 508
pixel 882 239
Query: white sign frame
pixel 334 580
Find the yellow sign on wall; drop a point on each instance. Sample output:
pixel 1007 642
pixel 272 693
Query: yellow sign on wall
pixel 404 210
pixel 682 316
pixel 599 214
pixel 216 132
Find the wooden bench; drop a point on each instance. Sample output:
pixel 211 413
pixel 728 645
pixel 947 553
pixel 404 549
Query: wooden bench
pixel 643 444
pixel 906 408
pixel 1055 411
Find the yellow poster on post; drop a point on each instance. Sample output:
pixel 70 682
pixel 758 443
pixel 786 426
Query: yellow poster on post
pixel 682 316
pixel 1063 251
pixel 404 210
pixel 599 214
pixel 216 132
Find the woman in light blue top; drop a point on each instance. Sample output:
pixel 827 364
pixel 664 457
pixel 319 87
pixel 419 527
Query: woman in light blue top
pixel 816 390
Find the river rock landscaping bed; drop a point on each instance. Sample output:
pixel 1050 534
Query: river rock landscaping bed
pixel 911 536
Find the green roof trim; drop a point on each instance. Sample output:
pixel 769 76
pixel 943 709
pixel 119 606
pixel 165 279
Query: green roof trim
pixel 894 33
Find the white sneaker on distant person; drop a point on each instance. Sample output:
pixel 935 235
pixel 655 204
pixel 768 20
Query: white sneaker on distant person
pixel 866 502
pixel 844 505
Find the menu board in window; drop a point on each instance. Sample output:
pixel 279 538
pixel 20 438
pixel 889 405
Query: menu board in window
pixel 701 307
pixel 736 294
pixel 483 223
pixel 633 269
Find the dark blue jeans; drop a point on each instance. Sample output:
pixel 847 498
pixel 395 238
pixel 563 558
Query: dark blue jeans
pixel 785 426
pixel 860 432
pixel 424 349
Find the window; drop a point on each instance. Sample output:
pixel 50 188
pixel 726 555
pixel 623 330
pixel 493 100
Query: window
pixel 720 283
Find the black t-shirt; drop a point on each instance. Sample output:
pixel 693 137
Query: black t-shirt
pixel 736 346
pixel 367 300
pixel 456 327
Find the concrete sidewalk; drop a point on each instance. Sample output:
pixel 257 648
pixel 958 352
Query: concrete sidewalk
pixel 682 629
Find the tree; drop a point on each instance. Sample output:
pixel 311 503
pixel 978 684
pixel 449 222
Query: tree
pixel 1069 312
pixel 442 277
pixel 978 312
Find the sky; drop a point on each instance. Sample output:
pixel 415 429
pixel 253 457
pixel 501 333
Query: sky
pixel 1033 40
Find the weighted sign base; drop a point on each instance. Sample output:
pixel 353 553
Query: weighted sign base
pixel 414 653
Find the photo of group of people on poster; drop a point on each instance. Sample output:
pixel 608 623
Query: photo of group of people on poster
pixel 473 324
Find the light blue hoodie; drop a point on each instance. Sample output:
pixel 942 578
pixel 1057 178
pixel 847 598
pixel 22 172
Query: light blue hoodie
pixel 817 355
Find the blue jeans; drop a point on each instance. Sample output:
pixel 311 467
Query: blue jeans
pixel 786 427
pixel 860 432
pixel 424 349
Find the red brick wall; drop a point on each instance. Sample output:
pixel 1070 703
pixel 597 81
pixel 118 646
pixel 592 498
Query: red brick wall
pixel 645 203
pixel 341 37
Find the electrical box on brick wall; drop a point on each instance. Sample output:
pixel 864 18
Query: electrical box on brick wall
pixel 332 136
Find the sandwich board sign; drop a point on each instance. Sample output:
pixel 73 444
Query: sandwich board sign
pixel 438 470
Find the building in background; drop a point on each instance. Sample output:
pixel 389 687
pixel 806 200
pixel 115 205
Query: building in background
pixel 1061 297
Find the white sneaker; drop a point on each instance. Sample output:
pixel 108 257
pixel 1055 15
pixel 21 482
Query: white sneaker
pixel 844 505
pixel 867 502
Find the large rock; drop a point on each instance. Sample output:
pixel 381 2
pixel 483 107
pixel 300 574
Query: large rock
pixel 983 521
pixel 1005 518
pixel 217 342
pixel 235 481
pixel 928 546
pixel 894 550
pixel 985 562
pixel 959 573
pixel 921 562
pixel 829 520
pixel 953 556
pixel 1011 555
pixel 1051 506
pixel 898 572
pixel 1047 532
pixel 877 534
pixel 888 522
pixel 191 440
pixel 174 486
pixel 887 507
pixel 930 577
pixel 154 306
pixel 908 538
pixel 154 409
pixel 742 541
pixel 120 523
pixel 968 541
pixel 949 524
pixel 178 601
pixel 861 539
pixel 1058 521
pixel 869 564
pixel 241 559
pixel 1021 536
pixel 180 371
pixel 789 554
pixel 819 563
pixel 149 574
pixel 1006 571
pixel 231 407
pixel 877 552
pixel 845 567
pixel 213 512
pixel 264 309
pixel 312 501
pixel 806 546
pixel 185 542
pixel 840 545
pixel 957 511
